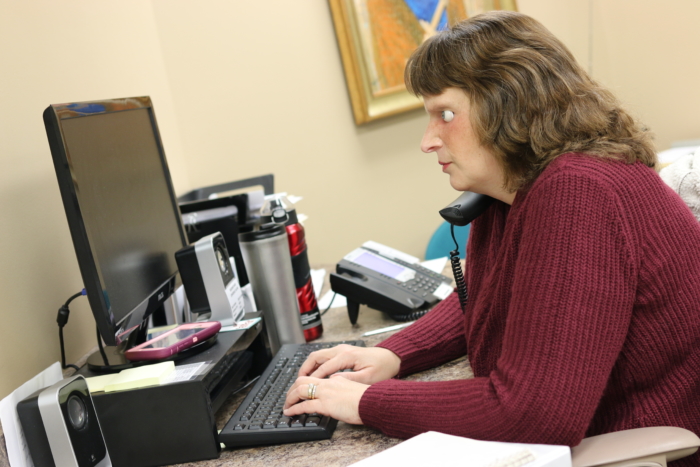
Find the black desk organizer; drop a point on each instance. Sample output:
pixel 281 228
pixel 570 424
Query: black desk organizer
pixel 175 423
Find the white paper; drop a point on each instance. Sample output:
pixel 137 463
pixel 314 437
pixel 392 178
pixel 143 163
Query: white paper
pixel 17 450
pixel 185 372
pixel 317 277
pixel 436 265
pixel 339 301
pixel 433 448
pixel 241 325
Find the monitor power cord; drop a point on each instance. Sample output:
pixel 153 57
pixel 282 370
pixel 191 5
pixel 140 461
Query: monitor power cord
pixel 62 320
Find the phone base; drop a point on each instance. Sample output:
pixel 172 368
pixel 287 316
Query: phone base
pixel 353 311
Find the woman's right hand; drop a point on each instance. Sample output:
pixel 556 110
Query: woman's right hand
pixel 369 364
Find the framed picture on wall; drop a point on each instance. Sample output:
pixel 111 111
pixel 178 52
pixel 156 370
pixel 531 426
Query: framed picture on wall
pixel 376 38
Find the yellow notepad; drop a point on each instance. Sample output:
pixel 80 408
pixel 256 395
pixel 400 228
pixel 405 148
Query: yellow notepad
pixel 133 378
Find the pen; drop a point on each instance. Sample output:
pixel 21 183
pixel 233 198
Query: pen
pixel 389 329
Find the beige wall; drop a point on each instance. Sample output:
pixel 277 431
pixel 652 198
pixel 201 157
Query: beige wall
pixel 247 88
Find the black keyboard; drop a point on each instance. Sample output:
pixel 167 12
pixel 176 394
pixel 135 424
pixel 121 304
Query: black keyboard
pixel 259 419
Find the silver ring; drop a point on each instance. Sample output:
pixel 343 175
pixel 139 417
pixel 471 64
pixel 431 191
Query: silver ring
pixel 311 393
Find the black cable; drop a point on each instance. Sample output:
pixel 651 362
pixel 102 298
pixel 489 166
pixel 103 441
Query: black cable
pixel 457 272
pixel 62 320
pixel 329 304
pixel 412 316
pixel 63 353
pixel 245 385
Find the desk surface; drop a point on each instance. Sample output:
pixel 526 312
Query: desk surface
pixel 349 443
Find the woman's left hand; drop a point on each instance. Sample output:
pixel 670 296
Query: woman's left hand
pixel 336 397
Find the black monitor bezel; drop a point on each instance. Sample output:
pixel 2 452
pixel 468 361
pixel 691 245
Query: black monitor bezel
pixel 112 332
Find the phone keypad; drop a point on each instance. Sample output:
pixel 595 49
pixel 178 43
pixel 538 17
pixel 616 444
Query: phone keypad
pixel 421 285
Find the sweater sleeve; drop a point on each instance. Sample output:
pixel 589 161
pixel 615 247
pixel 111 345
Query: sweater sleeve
pixel 436 338
pixel 569 309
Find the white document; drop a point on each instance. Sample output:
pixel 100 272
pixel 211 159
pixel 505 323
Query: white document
pixel 434 448
pixel 436 265
pixel 17 450
pixel 317 277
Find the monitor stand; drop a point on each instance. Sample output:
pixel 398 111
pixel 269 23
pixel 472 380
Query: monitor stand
pixel 117 362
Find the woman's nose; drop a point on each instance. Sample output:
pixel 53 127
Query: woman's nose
pixel 430 141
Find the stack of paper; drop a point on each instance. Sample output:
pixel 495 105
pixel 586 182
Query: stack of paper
pixel 433 448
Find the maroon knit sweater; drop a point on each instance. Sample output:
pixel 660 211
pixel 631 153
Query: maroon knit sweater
pixel 583 317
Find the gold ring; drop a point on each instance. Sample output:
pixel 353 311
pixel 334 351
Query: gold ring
pixel 311 393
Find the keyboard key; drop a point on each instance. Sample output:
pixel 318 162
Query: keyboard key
pixel 298 421
pixel 284 422
pixel 313 421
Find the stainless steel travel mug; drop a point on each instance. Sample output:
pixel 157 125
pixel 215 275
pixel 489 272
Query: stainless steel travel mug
pixel 266 256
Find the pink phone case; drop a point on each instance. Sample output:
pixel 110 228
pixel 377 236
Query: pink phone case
pixel 146 351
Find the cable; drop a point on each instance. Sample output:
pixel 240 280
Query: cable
pixel 245 385
pixel 62 320
pixel 457 272
pixel 412 316
pixel 329 304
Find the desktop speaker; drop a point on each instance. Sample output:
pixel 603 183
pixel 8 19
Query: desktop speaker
pixel 61 426
pixel 210 282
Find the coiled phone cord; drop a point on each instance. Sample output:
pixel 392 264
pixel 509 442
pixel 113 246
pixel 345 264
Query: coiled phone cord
pixel 414 315
pixel 457 272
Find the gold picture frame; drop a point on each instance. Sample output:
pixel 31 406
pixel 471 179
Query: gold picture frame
pixel 376 38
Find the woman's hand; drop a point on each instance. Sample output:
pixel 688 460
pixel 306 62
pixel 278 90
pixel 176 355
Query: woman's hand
pixel 336 397
pixel 369 365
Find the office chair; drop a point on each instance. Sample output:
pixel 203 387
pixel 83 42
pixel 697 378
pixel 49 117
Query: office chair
pixel 639 447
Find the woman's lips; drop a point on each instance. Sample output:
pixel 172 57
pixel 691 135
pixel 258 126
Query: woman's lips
pixel 444 165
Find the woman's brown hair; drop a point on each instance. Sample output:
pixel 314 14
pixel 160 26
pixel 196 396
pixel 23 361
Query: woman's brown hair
pixel 531 101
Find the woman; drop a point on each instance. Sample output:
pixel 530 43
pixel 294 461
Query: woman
pixel 584 276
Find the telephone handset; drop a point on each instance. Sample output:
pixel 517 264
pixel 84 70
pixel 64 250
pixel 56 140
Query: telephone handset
pixel 459 213
pixel 387 280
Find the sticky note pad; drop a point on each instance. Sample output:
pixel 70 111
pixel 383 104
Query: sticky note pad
pixel 98 383
pixel 139 377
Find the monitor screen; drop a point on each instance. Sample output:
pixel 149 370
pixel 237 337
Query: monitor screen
pixel 120 205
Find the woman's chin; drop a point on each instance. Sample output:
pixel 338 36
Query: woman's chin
pixel 459 185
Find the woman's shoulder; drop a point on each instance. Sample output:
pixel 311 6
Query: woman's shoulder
pixel 584 172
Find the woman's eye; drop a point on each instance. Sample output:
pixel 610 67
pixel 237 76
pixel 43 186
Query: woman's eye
pixel 448 115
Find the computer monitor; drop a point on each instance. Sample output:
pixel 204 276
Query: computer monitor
pixel 121 209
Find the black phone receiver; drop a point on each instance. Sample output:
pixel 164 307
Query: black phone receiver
pixel 461 212
pixel 466 208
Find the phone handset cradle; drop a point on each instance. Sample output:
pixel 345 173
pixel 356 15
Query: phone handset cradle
pixel 462 211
